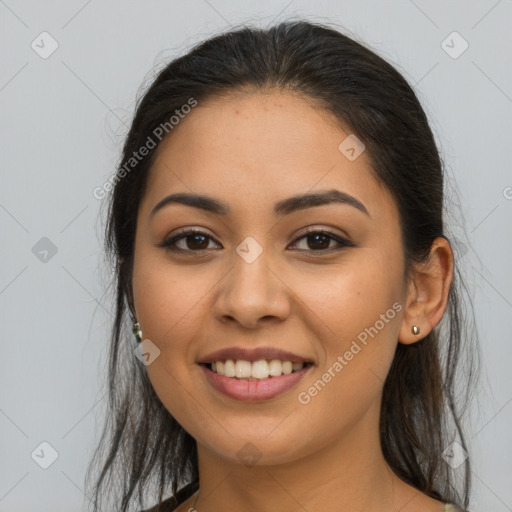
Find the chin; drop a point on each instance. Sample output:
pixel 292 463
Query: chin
pixel 254 448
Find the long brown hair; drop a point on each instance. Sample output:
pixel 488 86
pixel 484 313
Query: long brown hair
pixel 421 409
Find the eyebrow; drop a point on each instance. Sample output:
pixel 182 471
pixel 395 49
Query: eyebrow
pixel 281 208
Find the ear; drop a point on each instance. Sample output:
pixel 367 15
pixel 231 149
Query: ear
pixel 427 292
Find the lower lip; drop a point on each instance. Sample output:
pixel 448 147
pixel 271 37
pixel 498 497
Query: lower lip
pixel 253 390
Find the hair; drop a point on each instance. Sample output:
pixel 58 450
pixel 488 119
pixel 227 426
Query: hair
pixel 422 411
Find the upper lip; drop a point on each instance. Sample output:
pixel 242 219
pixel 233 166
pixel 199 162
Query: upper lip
pixel 252 354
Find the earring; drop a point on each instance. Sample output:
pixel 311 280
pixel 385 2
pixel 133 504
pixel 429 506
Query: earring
pixel 415 330
pixel 137 331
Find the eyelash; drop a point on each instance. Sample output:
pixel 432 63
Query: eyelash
pixel 186 232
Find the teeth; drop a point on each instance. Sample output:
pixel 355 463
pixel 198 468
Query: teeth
pixel 243 369
pixel 275 368
pixel 260 369
pixel 297 366
pixel 229 368
pixel 287 367
pixel 256 370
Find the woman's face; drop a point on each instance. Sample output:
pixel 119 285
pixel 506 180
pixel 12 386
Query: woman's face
pixel 255 279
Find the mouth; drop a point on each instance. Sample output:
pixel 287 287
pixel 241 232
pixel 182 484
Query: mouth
pixel 254 381
pixel 255 374
pixel 259 370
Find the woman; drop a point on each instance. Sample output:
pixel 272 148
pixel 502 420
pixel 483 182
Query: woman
pixel 276 227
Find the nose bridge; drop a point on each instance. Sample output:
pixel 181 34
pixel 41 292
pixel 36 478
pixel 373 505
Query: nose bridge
pixel 252 290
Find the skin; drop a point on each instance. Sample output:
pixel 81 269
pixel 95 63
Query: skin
pixel 251 150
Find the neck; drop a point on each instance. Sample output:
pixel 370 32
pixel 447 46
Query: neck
pixel 350 474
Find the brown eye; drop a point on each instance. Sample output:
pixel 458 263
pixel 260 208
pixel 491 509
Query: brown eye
pixel 318 241
pixel 193 241
pixel 196 242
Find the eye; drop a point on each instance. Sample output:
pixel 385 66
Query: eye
pixel 318 241
pixel 196 240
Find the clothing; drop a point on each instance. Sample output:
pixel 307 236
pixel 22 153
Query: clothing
pixel 171 504
pixel 448 507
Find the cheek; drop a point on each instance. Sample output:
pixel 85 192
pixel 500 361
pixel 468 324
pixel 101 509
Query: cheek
pixel 355 312
pixel 351 296
pixel 169 298
pixel 356 356
pixel 171 302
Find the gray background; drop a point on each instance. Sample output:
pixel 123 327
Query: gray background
pixel 63 121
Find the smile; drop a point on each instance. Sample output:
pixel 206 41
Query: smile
pixel 257 370
pixel 256 381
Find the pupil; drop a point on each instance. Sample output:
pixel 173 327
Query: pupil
pixel 326 239
pixel 195 237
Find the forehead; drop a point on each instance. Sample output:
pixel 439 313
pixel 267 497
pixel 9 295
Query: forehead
pixel 257 148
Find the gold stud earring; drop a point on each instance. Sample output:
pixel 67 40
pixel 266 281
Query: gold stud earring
pixel 415 330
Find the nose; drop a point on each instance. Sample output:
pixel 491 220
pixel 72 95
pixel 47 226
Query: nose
pixel 252 294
